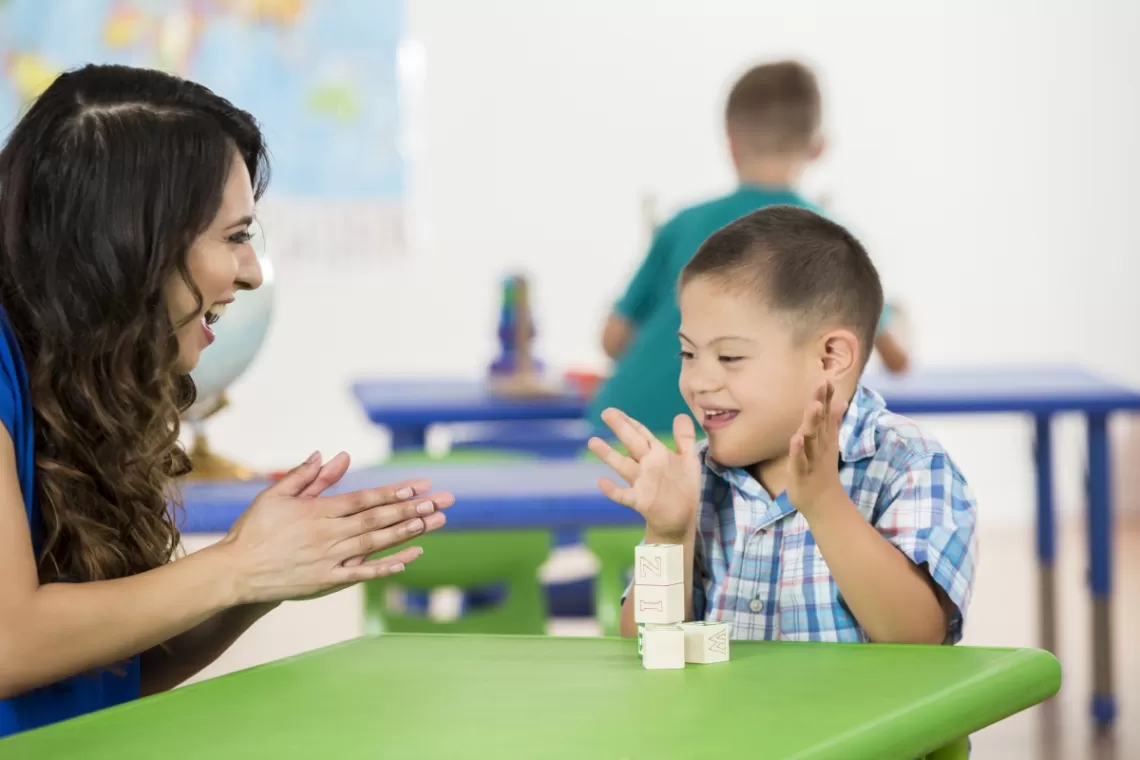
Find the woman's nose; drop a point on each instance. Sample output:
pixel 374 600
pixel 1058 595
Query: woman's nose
pixel 249 275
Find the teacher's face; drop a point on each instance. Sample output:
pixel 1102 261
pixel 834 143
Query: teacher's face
pixel 221 262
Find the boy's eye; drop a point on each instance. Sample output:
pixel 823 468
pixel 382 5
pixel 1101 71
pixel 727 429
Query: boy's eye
pixel 686 355
pixel 730 359
pixel 241 238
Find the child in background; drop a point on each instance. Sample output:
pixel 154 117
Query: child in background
pixel 811 512
pixel 772 121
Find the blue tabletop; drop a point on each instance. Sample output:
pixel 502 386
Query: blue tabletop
pixel 550 494
pixel 427 401
pixel 1043 389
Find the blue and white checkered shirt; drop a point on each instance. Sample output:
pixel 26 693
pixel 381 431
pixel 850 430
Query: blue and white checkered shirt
pixel 759 569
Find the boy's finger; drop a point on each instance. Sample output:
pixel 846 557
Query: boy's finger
pixel 685 434
pixel 797 455
pixel 614 492
pixel 650 438
pixel 622 465
pixel 619 422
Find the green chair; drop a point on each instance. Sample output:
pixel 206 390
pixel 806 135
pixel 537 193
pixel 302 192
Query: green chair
pixel 614 549
pixel 457 456
pixel 469 559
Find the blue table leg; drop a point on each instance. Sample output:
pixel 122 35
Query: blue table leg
pixel 1100 562
pixel 408 438
pixel 1046 539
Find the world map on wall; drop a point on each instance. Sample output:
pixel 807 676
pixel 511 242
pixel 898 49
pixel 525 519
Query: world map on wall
pixel 320 75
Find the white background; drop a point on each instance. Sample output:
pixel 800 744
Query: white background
pixel 985 152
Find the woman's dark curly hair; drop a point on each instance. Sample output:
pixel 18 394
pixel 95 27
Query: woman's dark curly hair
pixel 105 183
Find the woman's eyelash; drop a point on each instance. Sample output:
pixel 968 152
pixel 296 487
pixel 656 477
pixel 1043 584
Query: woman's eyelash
pixel 240 238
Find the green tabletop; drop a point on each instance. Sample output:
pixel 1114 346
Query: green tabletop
pixel 450 696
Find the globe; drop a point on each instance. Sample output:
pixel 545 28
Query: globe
pixel 239 335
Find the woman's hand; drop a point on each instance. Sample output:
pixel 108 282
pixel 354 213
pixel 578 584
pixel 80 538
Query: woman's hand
pixel 294 543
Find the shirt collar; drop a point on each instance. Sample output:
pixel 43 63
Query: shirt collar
pixel 857 431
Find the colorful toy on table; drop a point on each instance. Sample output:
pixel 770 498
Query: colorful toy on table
pixel 516 372
pixel 664 640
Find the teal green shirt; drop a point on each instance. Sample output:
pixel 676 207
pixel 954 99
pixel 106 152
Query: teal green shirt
pixel 644 380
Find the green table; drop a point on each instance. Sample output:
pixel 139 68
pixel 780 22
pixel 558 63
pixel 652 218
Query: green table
pixel 452 696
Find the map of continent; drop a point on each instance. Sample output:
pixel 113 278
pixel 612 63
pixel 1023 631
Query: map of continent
pixel 319 75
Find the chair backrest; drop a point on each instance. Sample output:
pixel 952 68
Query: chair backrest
pixel 469 559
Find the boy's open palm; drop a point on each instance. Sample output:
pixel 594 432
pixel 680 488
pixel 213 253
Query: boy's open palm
pixel 664 485
pixel 813 458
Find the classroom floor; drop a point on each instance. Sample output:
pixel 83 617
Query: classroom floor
pixel 1004 613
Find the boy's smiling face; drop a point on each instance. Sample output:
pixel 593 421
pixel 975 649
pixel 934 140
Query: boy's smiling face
pixel 744 374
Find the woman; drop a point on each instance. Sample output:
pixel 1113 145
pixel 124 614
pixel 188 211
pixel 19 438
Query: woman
pixel 126 200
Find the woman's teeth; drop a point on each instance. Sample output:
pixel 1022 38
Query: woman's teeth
pixel 215 312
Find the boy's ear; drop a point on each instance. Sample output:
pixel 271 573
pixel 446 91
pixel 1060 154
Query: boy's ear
pixel 839 353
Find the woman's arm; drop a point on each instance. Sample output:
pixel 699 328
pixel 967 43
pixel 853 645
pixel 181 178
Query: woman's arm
pixel 169 664
pixel 54 631
pixel 282 547
pixel 174 661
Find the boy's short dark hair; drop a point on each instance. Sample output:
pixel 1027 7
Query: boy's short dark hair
pixel 775 107
pixel 801 264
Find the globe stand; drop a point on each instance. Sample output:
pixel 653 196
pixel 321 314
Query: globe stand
pixel 206 464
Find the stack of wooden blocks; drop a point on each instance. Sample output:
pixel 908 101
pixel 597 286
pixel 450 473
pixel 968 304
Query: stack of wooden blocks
pixel 663 639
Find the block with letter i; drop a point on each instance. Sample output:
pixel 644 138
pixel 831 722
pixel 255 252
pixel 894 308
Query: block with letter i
pixel 659 584
pixel 659 605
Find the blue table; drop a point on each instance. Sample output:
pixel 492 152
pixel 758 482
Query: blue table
pixel 409 407
pixel 549 495
pixel 1042 392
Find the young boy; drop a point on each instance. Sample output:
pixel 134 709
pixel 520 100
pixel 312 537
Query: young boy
pixel 811 512
pixel 772 120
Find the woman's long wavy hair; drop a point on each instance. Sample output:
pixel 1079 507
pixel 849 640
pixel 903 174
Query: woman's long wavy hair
pixel 105 183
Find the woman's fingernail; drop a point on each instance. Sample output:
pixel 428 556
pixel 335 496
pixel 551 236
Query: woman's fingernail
pixel 416 525
pixel 396 568
pixel 425 508
pixel 404 493
pixel 313 457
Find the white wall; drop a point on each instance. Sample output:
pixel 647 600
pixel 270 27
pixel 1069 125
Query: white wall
pixel 985 152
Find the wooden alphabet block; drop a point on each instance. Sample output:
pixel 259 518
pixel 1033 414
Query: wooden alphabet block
pixel 663 647
pixel 660 605
pixel 659 565
pixel 706 643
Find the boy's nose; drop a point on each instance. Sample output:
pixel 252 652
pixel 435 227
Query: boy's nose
pixel 705 382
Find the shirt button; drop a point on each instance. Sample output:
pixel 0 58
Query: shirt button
pixel 756 605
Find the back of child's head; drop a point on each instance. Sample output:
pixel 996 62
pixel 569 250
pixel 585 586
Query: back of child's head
pixel 775 108
pixel 801 266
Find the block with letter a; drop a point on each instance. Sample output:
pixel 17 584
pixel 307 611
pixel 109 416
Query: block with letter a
pixel 706 642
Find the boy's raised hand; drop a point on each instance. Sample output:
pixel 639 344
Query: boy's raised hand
pixel 664 485
pixel 813 453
